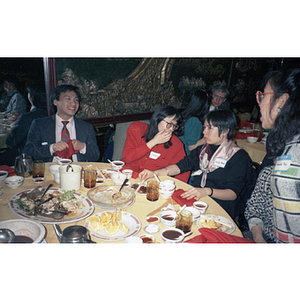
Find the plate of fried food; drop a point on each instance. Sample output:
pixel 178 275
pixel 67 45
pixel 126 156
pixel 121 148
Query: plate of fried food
pixel 113 225
pixel 102 197
pixel 56 206
pixel 216 222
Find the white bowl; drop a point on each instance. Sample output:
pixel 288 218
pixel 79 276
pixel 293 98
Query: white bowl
pixel 166 188
pixel 201 206
pixel 168 217
pixel 28 228
pixel 3 175
pixel 117 164
pixel 252 139
pixel 54 170
pixel 128 173
pixel 147 238
pixel 14 181
pixel 167 234
pixel 194 211
pixel 118 178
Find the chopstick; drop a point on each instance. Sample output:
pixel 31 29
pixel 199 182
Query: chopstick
pixel 139 186
pixel 156 177
pixel 102 175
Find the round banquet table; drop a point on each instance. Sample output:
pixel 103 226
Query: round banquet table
pixel 257 151
pixel 141 208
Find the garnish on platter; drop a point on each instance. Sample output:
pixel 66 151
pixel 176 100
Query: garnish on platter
pixel 111 222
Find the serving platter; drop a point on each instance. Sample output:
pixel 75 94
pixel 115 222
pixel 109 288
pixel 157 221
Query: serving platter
pixel 228 228
pixel 82 213
pixel 130 220
pixel 101 196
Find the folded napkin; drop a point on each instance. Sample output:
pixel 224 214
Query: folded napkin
pixel 181 201
pixel 67 153
pixel 245 124
pixel 209 235
pixel 10 170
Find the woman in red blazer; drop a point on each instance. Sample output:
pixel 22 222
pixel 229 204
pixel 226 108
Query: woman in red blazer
pixel 154 146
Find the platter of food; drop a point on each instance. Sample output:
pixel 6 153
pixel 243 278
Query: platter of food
pixel 102 197
pixel 55 207
pixel 216 222
pixel 113 225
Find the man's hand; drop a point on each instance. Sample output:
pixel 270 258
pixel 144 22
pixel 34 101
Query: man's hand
pixel 77 145
pixel 60 146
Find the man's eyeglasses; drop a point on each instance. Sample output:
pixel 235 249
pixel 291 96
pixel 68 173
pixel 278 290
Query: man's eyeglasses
pixel 260 95
pixel 171 125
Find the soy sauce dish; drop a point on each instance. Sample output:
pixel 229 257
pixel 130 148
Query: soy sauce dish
pixel 172 235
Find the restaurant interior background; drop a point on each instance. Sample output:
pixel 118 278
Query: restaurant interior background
pixel 116 90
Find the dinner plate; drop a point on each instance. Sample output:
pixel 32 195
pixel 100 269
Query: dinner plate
pixel 130 220
pixel 83 213
pixel 220 218
pixel 108 172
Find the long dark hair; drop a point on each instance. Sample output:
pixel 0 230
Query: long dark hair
pixel 38 95
pixel 197 107
pixel 287 123
pixel 161 113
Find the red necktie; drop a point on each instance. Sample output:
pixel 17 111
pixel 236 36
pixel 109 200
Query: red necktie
pixel 65 136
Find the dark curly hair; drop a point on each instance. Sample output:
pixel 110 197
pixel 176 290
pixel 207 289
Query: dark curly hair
pixel 287 123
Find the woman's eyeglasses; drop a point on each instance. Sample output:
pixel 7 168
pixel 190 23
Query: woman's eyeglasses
pixel 260 95
pixel 171 125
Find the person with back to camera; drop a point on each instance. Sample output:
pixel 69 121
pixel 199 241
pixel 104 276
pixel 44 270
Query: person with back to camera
pixel 16 138
pixel 280 112
pixel 193 116
pixel 62 131
pixel 155 146
pixel 12 102
pixel 219 95
pixel 222 168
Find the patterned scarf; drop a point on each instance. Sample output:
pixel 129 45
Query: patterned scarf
pixel 225 151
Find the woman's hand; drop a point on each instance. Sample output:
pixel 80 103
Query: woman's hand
pixel 257 234
pixel 145 174
pixel 162 136
pixel 195 193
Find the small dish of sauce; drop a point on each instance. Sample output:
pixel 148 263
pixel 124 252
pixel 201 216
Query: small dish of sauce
pixel 152 219
pixel 22 239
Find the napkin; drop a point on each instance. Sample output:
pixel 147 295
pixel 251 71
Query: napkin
pixel 10 170
pixel 181 201
pixel 67 153
pixel 245 124
pixel 242 135
pixel 209 235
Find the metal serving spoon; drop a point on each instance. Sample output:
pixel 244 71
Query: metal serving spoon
pixel 117 195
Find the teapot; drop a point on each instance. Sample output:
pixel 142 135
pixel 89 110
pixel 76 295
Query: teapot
pixel 23 165
pixel 73 234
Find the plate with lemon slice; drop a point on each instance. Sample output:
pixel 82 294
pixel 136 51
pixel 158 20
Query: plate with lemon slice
pixel 112 225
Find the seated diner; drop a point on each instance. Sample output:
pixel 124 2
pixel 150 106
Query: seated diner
pixel 220 168
pixel 155 146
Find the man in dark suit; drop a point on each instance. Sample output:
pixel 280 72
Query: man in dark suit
pixel 17 136
pixel 219 95
pixel 45 135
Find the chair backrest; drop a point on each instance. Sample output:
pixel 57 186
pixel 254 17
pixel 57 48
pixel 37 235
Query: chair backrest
pixel 120 137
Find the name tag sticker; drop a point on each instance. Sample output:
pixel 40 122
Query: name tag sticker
pixel 154 155
pixel 283 163
pixel 44 143
pixel 220 162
